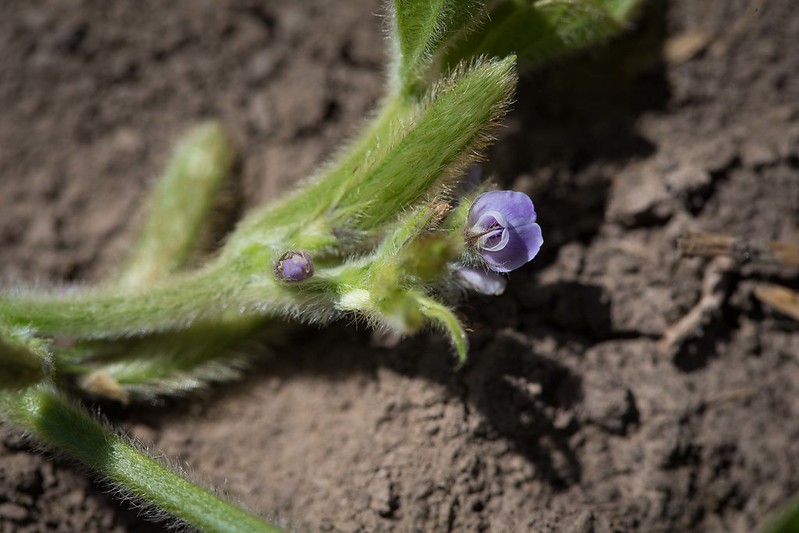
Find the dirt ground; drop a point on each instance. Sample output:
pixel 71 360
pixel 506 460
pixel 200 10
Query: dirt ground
pixel 570 415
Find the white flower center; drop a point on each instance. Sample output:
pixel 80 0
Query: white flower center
pixel 494 233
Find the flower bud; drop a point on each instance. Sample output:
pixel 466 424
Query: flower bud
pixel 294 266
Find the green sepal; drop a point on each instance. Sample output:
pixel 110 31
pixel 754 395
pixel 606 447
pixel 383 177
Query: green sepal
pixel 442 316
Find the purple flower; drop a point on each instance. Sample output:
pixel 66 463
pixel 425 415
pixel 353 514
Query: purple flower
pixel 294 266
pixel 502 229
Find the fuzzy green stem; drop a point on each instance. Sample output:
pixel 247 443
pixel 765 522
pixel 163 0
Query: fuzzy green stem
pixel 45 414
pixel 21 364
pixel 180 206
pixel 216 293
pixel 112 312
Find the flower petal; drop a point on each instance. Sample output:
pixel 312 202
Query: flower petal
pixel 516 207
pixel 494 241
pixel 524 242
pixel 521 239
pixel 481 281
pixel 490 219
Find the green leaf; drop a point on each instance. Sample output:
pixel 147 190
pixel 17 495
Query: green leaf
pixel 542 30
pixel 413 151
pixel 174 362
pixel 419 29
pixel 431 149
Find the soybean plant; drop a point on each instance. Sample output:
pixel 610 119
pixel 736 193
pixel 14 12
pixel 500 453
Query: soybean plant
pixel 387 232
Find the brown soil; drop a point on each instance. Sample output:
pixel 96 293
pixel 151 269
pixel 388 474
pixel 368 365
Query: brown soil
pixel 568 416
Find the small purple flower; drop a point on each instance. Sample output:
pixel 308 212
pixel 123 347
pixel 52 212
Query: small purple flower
pixel 502 228
pixel 294 266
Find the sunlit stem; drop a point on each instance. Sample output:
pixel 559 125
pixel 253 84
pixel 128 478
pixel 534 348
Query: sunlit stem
pixel 21 364
pixel 180 206
pixel 47 415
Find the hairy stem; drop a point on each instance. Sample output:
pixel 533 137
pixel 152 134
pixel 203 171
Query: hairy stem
pixel 180 206
pixel 23 361
pixel 47 415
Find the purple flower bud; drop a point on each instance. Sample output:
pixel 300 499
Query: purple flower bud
pixel 481 281
pixel 503 230
pixel 294 266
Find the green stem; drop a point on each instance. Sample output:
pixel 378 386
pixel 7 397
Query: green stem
pixel 52 419
pixel 24 362
pixel 115 312
pixel 180 206
pixel 214 294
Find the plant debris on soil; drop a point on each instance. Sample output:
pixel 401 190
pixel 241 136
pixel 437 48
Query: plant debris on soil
pixel 579 410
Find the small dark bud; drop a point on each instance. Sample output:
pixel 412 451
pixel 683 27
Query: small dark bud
pixel 294 266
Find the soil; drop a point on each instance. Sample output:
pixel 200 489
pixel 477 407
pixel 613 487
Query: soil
pixel 570 415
